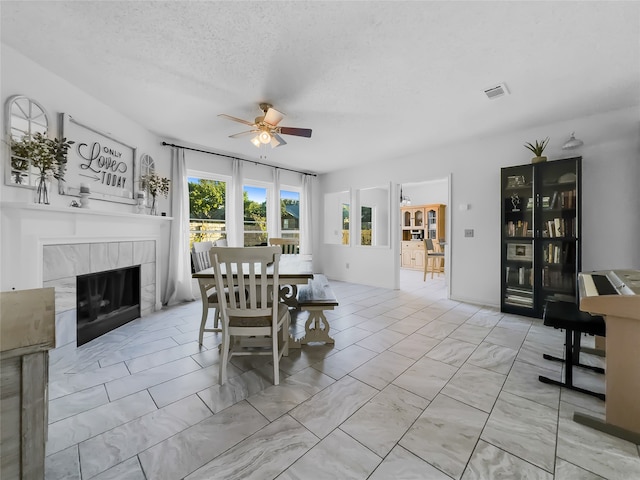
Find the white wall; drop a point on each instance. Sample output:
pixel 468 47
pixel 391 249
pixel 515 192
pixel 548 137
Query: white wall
pixel 21 76
pixel 426 193
pixel 611 204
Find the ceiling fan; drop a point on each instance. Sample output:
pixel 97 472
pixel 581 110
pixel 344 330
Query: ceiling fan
pixel 266 129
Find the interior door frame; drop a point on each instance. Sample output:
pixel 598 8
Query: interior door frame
pixel 450 243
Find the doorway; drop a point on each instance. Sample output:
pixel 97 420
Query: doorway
pixel 418 222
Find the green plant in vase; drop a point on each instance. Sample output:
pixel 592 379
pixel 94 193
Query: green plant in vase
pixel 537 150
pixel 155 185
pixel 48 155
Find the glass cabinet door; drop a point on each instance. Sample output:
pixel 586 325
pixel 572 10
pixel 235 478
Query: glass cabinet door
pixel 518 253
pixel 558 229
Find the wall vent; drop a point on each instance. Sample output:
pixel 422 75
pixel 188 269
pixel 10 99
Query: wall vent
pixel 496 91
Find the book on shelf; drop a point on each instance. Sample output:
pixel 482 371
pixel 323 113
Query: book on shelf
pixel 554 200
pixel 517 229
pixel 557 223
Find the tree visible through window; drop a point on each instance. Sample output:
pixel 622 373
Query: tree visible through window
pixel 290 214
pixel 207 200
pixel 255 215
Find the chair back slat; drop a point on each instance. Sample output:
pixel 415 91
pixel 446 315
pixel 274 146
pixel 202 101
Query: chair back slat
pixel 200 255
pixel 247 269
pixel 288 246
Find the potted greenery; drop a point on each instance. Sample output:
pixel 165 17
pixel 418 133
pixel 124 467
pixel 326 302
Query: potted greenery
pixel 537 150
pixel 155 185
pixel 48 155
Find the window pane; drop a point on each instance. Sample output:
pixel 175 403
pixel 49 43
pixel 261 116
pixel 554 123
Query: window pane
pixel 255 216
pixel 290 214
pixel 345 224
pixel 365 225
pixel 207 210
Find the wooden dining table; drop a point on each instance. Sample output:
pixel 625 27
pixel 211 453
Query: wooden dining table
pixel 293 270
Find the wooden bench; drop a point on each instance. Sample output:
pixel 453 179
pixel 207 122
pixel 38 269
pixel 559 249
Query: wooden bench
pixel 315 297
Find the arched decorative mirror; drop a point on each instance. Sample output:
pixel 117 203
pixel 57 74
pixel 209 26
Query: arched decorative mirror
pixel 24 118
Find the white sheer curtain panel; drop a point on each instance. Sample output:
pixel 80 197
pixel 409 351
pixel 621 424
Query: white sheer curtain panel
pixel 179 263
pixel 235 211
pixel 273 218
pixel 306 242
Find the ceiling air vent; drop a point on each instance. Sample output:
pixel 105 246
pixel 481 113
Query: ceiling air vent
pixel 496 91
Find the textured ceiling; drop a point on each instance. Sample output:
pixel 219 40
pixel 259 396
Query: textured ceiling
pixel 374 80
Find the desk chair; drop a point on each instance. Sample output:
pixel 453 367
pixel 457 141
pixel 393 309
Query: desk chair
pixel 431 258
pixel 567 316
pixel 201 260
pixel 288 245
pixel 254 312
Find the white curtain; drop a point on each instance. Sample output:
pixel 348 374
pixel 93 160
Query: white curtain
pixel 235 210
pixel 273 217
pixel 306 240
pixel 179 263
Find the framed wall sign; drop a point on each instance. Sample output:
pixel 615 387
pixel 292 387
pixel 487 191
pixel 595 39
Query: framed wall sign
pixel 98 162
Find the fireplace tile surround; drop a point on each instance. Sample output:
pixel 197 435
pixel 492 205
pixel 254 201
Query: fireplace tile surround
pixel 62 263
pixel 48 246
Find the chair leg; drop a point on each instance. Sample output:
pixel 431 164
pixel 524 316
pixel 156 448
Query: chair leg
pixel 570 350
pixel 203 322
pixel 276 357
pixel 222 375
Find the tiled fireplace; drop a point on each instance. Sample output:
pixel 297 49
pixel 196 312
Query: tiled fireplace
pixel 63 263
pixel 48 246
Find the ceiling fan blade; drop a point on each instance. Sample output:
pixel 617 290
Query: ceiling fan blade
pixel 277 140
pixel 236 119
pixel 299 132
pixel 241 134
pixel 273 117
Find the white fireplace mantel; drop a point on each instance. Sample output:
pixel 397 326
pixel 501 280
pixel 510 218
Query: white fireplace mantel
pixel 26 228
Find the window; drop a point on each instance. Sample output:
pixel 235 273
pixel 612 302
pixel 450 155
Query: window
pixel 345 224
pixel 255 215
pixel 366 225
pixel 290 214
pixel 207 214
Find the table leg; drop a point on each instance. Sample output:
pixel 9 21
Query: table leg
pixel 316 328
pixel 289 295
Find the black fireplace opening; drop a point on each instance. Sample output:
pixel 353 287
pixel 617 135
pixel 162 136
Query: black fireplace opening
pixel 106 300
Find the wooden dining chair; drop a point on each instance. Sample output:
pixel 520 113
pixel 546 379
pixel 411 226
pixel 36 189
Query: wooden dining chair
pixel 433 258
pixel 289 246
pixel 254 312
pixel 201 261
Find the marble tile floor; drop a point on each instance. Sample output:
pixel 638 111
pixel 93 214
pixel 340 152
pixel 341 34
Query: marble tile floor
pixel 416 387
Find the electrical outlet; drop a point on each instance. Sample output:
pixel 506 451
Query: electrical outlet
pixel 347 265
pixel 468 232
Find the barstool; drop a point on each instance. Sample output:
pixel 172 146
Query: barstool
pixel 567 316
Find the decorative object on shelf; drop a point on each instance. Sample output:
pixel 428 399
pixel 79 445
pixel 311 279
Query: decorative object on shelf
pixel 142 203
pixel 515 181
pixel 573 142
pixel 515 201
pixel 85 191
pixel 48 155
pixel 43 185
pixel 537 150
pixel 155 185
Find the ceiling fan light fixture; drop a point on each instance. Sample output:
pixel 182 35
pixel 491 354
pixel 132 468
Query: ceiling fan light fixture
pixel 256 141
pixel 573 142
pixel 264 137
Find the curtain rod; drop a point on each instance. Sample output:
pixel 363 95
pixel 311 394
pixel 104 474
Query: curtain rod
pixel 165 144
